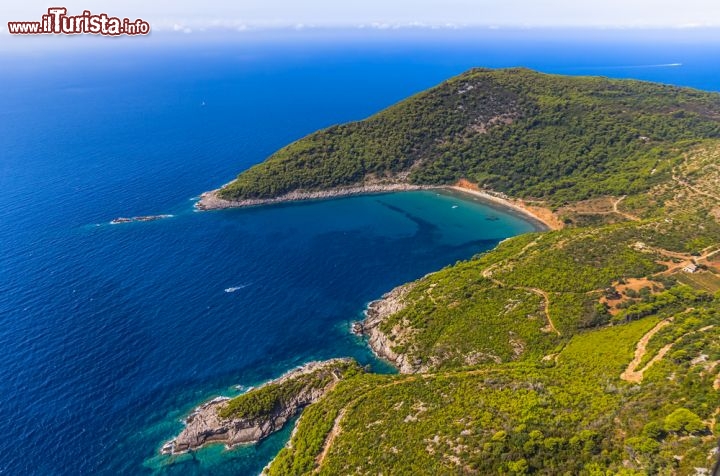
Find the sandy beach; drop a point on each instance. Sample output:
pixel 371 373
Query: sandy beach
pixel 541 214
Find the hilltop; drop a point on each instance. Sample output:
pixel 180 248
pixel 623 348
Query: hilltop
pixel 514 131
pixel 591 349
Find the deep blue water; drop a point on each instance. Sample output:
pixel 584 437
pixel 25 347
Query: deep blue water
pixel 110 334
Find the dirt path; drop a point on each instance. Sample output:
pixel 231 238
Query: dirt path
pixel 672 254
pixel 488 274
pixel 631 374
pixel 543 294
pixel 336 428
pixel 626 215
pixel 694 189
pixel 709 255
pixel 334 432
pixel 685 258
pixel 546 307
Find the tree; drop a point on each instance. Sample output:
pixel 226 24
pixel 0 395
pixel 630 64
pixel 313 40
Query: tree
pixel 518 467
pixel 683 420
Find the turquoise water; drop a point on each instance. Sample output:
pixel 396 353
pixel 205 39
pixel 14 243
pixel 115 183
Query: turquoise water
pixel 110 334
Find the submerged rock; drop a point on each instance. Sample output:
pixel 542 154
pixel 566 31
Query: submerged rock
pixel 357 328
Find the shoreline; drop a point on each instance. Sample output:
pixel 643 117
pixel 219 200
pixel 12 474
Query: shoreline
pixel 377 311
pixel 205 426
pixel 379 343
pixel 539 215
pixel 543 217
pixel 210 200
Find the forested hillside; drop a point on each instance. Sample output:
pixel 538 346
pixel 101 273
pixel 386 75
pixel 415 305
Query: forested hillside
pixel 515 131
pixel 588 350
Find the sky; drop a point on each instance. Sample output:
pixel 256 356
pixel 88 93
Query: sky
pixel 198 15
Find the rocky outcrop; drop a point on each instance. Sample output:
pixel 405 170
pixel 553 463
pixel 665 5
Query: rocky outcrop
pixel 381 343
pixel 120 220
pixel 206 423
pixel 212 201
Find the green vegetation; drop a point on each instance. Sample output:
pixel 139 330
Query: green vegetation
pixel 579 260
pixel 267 398
pixel 500 393
pixel 570 138
pixel 703 280
pixel 572 417
pixel 586 350
pixel 674 300
pixel 458 318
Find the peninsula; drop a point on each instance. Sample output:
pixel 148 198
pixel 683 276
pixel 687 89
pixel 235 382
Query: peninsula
pixel 252 416
pixel 590 348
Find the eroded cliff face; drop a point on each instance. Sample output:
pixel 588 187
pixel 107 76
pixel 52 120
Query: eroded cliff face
pixel 381 343
pixel 206 423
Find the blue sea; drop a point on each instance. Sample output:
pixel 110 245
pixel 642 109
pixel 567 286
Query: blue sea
pixel 110 334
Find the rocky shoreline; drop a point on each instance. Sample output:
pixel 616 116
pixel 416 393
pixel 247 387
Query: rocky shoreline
pixel 206 425
pixel 211 201
pixel 381 343
pixel 543 218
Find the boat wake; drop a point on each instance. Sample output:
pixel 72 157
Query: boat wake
pixel 641 66
pixel 236 288
pixel 665 65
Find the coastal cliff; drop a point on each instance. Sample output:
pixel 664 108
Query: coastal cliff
pixel 251 417
pixel 381 343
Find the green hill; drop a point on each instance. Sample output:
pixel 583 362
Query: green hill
pixel 594 349
pixel 515 131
